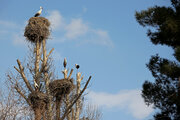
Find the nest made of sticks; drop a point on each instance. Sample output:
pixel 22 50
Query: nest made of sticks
pixel 61 87
pixel 38 99
pixel 37 29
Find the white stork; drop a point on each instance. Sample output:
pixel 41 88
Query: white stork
pixel 36 85
pixel 39 12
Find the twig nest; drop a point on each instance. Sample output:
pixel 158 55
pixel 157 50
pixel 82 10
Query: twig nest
pixel 38 99
pixel 61 87
pixel 37 29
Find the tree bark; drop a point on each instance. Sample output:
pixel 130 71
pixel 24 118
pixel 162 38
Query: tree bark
pixel 78 79
pixel 58 110
pixel 38 46
pixel 49 107
pixel 37 113
pixel 67 104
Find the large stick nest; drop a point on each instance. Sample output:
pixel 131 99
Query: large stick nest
pixel 38 99
pixel 37 29
pixel 61 87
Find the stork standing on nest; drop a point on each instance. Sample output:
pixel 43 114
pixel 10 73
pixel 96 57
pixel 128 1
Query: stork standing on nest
pixel 39 12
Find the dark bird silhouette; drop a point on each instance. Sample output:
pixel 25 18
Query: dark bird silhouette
pixel 65 63
pixel 77 66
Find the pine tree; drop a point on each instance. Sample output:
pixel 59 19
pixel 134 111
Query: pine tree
pixel 163 29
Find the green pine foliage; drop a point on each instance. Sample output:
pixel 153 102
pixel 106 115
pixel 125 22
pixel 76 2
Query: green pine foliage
pixel 163 25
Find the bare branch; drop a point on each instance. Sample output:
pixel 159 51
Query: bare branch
pixel 67 111
pixel 50 53
pixel 17 69
pixel 23 76
pixel 19 91
pixel 70 74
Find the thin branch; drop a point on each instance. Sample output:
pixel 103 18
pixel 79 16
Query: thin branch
pixel 41 70
pixel 50 53
pixel 22 95
pixel 82 78
pixel 23 76
pixel 69 107
pixel 70 74
pixel 17 69
pixel 65 72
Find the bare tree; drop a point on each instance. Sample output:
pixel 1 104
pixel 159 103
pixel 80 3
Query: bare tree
pixel 35 87
pixel 12 107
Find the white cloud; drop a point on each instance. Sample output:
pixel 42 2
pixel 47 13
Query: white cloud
pixel 76 28
pixel 129 100
pixel 19 40
pixel 8 24
pixel 3 32
pixel 57 56
pixel 14 31
pixel 84 9
pixel 56 19
pixel 101 37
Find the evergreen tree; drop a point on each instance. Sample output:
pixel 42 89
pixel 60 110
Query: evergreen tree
pixel 163 28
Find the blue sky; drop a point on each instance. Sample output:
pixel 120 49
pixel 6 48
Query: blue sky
pixel 100 35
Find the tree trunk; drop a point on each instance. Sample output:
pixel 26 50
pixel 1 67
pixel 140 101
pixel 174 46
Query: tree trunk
pixel 77 92
pixel 49 107
pixel 67 104
pixel 38 46
pixel 58 110
pixel 37 112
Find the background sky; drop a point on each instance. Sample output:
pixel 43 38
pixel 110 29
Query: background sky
pixel 100 35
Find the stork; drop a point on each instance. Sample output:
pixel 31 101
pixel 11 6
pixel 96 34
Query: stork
pixel 77 66
pixel 36 85
pixel 39 12
pixel 65 62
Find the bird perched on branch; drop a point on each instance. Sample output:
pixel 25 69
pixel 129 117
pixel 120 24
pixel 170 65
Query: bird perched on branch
pixel 65 62
pixel 39 12
pixel 36 85
pixel 77 66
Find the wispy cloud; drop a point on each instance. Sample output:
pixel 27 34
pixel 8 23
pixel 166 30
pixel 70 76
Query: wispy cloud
pixel 78 29
pixel 84 9
pixel 8 24
pixel 57 56
pixel 56 19
pixel 129 100
pixel 13 31
pixel 18 39
pixel 3 31
pixel 100 37
pixel 75 29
